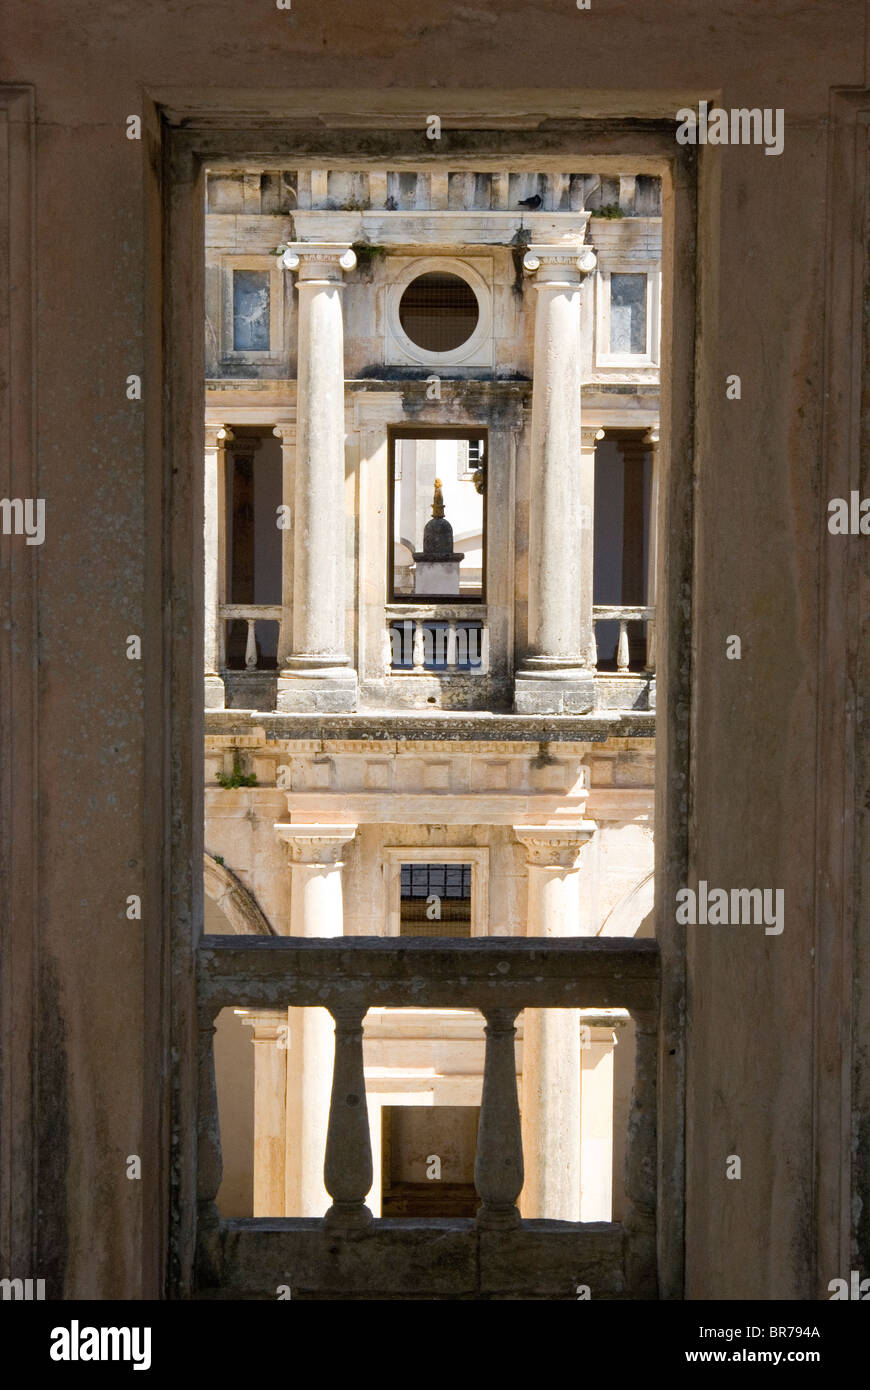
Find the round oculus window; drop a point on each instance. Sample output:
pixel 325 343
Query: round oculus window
pixel 439 311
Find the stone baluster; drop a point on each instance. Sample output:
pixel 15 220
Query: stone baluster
pixel 641 1160
pixel 419 645
pixel 556 676
pixel 251 645
pixel 451 645
pixel 622 659
pixel 348 1167
pixel 214 534
pixel 209 1166
pixel 498 1165
pixel 318 673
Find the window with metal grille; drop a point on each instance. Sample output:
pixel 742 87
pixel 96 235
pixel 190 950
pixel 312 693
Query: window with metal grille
pixel 439 311
pixel 435 900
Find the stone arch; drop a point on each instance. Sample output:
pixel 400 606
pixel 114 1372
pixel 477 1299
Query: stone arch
pixel 236 902
pixel 633 914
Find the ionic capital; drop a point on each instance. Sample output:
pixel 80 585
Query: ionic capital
pixel 217 435
pixel 286 433
pixel 315 844
pixel 318 260
pixel 555 846
pixel 559 262
pixel 267 1025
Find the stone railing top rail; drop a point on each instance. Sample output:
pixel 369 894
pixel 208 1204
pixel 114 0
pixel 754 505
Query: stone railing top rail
pixel 271 612
pixel 631 613
pixel 483 972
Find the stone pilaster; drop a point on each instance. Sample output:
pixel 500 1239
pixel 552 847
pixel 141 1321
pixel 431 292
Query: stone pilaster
pixel 551 1037
pixel 317 673
pixel 557 674
pixel 316 909
pixel 214 531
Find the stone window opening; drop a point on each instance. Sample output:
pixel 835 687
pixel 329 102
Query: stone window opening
pixel 252 549
pixel 437 515
pixel 435 900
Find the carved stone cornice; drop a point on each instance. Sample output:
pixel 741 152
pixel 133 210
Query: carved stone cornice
pixel 315 844
pixel 554 846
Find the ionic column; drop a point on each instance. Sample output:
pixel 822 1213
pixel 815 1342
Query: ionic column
pixel 287 436
pixel 652 440
pixel 215 561
pixel 270 1037
pixel 551 1037
pixel 317 673
pixel 557 675
pixel 315 910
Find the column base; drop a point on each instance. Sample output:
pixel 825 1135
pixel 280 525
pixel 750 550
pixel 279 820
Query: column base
pixel 215 693
pixel 325 690
pixel 566 691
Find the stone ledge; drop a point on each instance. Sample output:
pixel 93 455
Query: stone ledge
pixel 437 1258
pixel 409 726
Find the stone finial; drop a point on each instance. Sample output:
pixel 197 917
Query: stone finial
pixel 438 534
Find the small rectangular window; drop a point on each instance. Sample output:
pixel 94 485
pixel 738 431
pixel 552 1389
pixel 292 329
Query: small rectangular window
pixel 435 900
pixel 628 313
pixel 251 326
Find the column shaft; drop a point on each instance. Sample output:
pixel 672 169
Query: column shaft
pixel 551 1037
pixel 214 534
pixel 287 435
pixel 316 909
pixel 557 674
pixel 270 1111
pixel 317 674
pixel 652 549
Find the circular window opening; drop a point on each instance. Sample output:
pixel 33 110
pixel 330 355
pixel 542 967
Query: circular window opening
pixel 439 312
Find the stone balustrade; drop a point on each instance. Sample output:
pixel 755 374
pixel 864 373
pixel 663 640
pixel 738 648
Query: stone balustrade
pixel 426 640
pixel 348 1248
pixel 624 616
pixel 252 613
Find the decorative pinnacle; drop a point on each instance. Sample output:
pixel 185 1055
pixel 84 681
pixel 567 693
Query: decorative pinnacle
pixel 438 499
